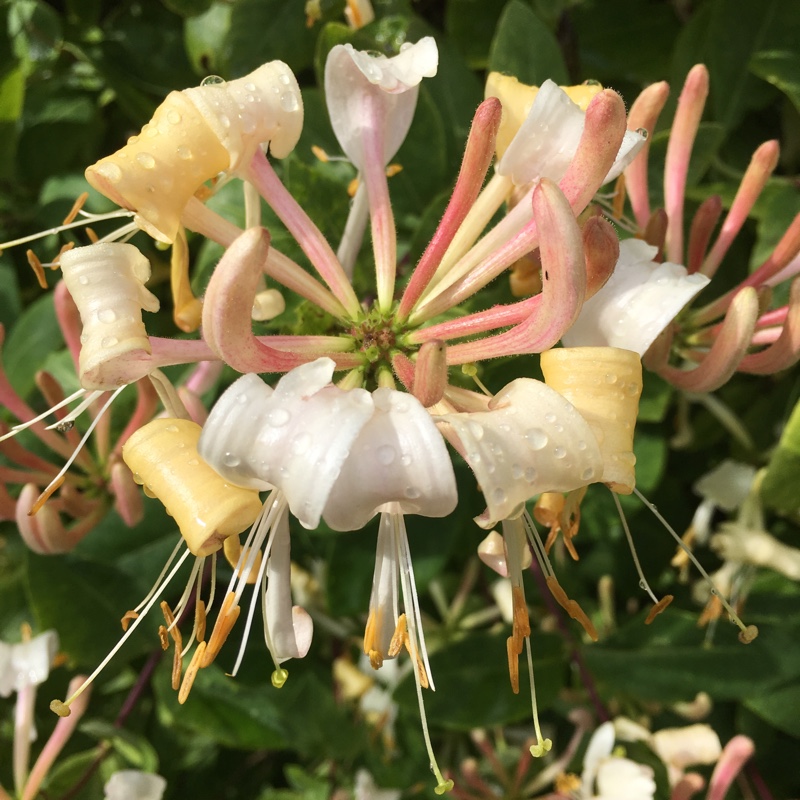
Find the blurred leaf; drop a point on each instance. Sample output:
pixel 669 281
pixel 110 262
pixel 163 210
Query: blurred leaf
pixel 205 37
pixel 654 402
pixel 234 714
pixel 36 29
pixel 775 209
pixel 471 25
pixel 188 8
pixel 778 706
pixel 10 303
pixel 524 47
pixel 34 336
pixel 779 486
pixel 472 683
pixel 12 92
pixel 84 602
pixel 782 70
pixel 651 451
pixel 137 752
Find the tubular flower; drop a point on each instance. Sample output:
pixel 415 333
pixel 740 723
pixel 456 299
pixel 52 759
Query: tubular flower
pixel 737 331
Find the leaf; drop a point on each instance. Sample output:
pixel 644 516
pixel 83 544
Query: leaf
pixel 471 24
pixel 781 68
pixel 204 36
pixel 655 399
pixel 472 683
pixel 524 47
pixel 12 93
pixel 135 749
pixel 778 706
pixel 779 486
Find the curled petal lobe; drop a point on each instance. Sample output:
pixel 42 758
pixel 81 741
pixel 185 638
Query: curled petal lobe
pixel 107 283
pixel 392 83
pixel 26 663
pixel 400 458
pixel 531 440
pixel 132 784
pixel 163 457
pixel 639 300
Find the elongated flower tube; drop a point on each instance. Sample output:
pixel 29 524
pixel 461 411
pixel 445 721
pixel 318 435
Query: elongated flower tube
pixel 531 440
pixel 194 135
pixel 163 458
pixel 107 282
pixel 639 300
pixel 604 385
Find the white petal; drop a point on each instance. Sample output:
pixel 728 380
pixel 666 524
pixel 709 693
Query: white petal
pixel 290 627
pixel 26 663
pixel 638 302
pixel 727 485
pixel 547 140
pixel 132 784
pixel 383 605
pixel 600 746
pixel 531 441
pixel 399 457
pixel 623 779
pixel 391 83
pixel 683 747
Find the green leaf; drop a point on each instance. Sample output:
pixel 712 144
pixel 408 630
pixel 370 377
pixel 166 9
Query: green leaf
pixel 204 36
pixel 188 8
pixel 654 402
pixel 778 706
pixel 136 750
pixel 35 335
pixel 472 684
pixel 779 486
pixel 523 46
pixel 12 93
pixel 471 24
pixel 782 69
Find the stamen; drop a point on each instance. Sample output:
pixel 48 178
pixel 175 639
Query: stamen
pixel 79 203
pixel 127 618
pixel 23 425
pixel 660 605
pixel 200 620
pixel 54 486
pixel 543 745
pixel 62 708
pixel 399 636
pixel 93 237
pixel 191 673
pixel 571 606
pixel 38 269
pixel 472 371
pixel 87 218
pixel 226 619
pixel 163 637
pixel 747 633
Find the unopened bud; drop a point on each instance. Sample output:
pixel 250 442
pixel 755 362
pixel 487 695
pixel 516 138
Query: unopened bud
pixel 127 497
pixel 601 249
pixel 430 374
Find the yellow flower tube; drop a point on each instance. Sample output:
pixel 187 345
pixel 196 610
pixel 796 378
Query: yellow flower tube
pixel 163 458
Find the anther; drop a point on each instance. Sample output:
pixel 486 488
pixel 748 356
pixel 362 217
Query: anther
pixel 191 673
pixel 37 267
pixel 127 618
pixel 163 637
pixel 200 620
pixel 46 494
pixel 226 619
pixel 79 203
pixel 398 637
pixel 571 606
pixel 279 677
pixel 658 608
pixel 60 708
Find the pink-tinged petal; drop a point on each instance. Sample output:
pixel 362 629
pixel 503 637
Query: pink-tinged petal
pixel 107 283
pixel 688 786
pixel 644 114
pixel 725 354
pixel 430 373
pixel 350 73
pixel 228 303
pixel 69 320
pixel 495 317
pixel 639 300
pixel 786 349
pixel 477 158
pixel 563 284
pixel 703 224
pixel 290 629
pixel 308 235
pixel 492 551
pixel 127 495
pixel 601 248
pixel 404 368
pixel 761 166
pixel 735 755
pixel 691 102
pixel 781 257
pixel 400 458
pixel 531 440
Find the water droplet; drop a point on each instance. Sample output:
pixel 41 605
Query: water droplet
pixel 412 492
pixel 184 152
pixel 242 398
pixel 642 585
pixel 212 80
pixel 474 458
pixel 278 417
pixel 386 454
pixel 587 474
pixel 289 101
pixel 499 495
pixel 642 132
pixel 231 460
pixel 581 444
pixel 171 429
pixel 145 160
pixel 559 452
pixel 107 315
pixel 224 121
pixel 250 87
pixel 284 79
pixel 173 117
pixel 247 124
pixel 405 460
pixel 109 341
pixel 633 388
pixel 558 427
pixel 551 418
pixel 516 471
pixel 111 172
pixel 530 475
pixel 83 280
pixel 610 377
pixel 476 429
pixel 536 438
pixel 193 462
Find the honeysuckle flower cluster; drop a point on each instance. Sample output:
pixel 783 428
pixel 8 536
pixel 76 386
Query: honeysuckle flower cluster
pixel 357 426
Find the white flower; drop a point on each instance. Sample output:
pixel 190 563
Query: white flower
pixel 638 302
pixel 366 789
pixel 360 86
pixel 132 784
pixel 26 663
pixel 547 140
pixel 680 748
pixel 608 777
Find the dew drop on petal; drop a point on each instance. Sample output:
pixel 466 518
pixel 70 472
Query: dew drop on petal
pixel 112 173
pixel 289 101
pixel 530 475
pixel 212 80
pixel 193 462
pixel 551 418
pixel 559 452
pixel 536 438
pixel 107 315
pixel 386 454
pixel 412 492
pixel 301 443
pixel 173 117
pixel 231 460
pixel 610 377
pixel 476 429
pixel 145 160
pixel 581 444
pixel 499 495
pixel 516 471
pixel 109 341
pixel 171 429
pixel 184 152
pixel 242 398
pixel 405 460
pixel 278 417
pixel 83 280
pixel 250 87
pixel 588 474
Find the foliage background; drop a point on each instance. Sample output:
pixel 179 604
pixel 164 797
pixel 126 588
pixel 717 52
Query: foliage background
pixel 78 77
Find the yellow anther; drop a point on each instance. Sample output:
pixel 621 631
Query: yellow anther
pixel 127 618
pixel 226 619
pixel 540 748
pixel 93 237
pixel 320 153
pixel 352 187
pixel 571 607
pixel 46 495
pixel 513 663
pixel 658 608
pixel 393 169
pixel 618 200
pixel 164 637
pixel 279 677
pixel 399 637
pixel 375 659
pixel 191 673
pixel 567 783
pixel 36 266
pixel 60 708
pixel 200 620
pixel 80 201
pixel 177 667
pixel 64 249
